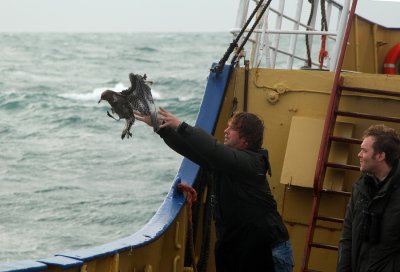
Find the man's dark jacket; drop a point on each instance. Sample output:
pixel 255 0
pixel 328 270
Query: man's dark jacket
pixel 247 219
pixel 371 230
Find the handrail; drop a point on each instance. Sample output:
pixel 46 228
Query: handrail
pixel 280 20
pixel 279 31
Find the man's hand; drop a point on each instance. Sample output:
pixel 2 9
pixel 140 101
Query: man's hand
pixel 144 118
pixel 165 118
pixel 168 119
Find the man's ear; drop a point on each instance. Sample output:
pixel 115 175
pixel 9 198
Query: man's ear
pixel 381 156
pixel 244 143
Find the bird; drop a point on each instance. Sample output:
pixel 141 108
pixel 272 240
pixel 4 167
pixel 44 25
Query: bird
pixel 136 98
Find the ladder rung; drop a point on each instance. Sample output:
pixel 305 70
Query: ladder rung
pixel 371 91
pixel 368 116
pixel 329 219
pixel 335 192
pixel 345 140
pixel 343 166
pixel 326 246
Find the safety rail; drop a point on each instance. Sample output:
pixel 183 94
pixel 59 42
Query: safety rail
pixel 286 20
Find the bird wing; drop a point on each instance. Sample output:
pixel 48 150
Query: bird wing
pixel 121 106
pixel 127 92
pixel 142 99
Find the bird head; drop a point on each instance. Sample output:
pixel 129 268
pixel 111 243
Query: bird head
pixel 106 95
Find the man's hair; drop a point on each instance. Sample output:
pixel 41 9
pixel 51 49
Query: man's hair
pixel 250 127
pixel 386 140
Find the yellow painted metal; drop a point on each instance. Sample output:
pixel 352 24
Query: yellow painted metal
pixel 178 244
pixel 161 255
pixel 301 147
pixel 368 46
pixel 175 266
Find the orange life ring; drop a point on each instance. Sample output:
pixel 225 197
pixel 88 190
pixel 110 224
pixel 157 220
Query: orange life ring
pixel 392 61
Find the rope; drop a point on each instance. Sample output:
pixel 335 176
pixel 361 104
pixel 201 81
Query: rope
pixel 250 31
pixel 203 184
pixel 324 23
pixel 207 217
pixel 218 68
pixel 324 27
pixel 191 196
pixel 309 62
pixel 322 52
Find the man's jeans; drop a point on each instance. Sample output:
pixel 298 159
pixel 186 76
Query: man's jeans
pixel 282 256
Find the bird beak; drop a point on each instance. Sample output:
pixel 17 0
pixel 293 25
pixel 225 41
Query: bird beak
pixel 99 101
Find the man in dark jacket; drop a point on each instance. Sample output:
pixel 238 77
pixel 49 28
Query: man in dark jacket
pixel 371 230
pixel 251 235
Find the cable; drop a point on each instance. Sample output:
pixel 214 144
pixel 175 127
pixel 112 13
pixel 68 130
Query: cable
pixel 219 67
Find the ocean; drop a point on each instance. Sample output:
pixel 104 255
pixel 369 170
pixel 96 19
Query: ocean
pixel 68 181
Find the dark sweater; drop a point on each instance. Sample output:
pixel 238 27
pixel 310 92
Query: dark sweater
pixel 246 212
pixel 371 230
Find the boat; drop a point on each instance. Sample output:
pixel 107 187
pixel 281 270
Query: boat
pixel 318 73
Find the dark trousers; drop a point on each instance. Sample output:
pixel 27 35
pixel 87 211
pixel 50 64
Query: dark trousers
pixel 244 250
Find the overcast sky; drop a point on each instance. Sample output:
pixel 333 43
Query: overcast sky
pixel 117 15
pixel 144 15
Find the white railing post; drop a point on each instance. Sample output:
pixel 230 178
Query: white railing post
pixel 266 41
pixel 241 17
pixel 344 16
pixel 278 25
pixel 293 37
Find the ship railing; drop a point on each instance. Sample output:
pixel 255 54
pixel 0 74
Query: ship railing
pixel 276 41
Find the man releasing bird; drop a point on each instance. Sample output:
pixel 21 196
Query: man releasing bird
pixel 136 98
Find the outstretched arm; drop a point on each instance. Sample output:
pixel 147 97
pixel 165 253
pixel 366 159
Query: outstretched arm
pixel 200 147
pixel 168 124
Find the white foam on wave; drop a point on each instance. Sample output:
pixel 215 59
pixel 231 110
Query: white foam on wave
pixel 12 91
pixel 96 93
pixel 185 98
pixel 155 94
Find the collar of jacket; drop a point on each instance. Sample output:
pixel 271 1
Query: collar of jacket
pixel 265 156
pixel 390 183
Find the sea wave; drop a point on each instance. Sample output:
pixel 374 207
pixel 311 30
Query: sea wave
pixel 93 95
pixel 147 49
pixel 96 93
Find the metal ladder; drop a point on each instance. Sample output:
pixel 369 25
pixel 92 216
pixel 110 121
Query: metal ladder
pixel 327 139
pixel 323 163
